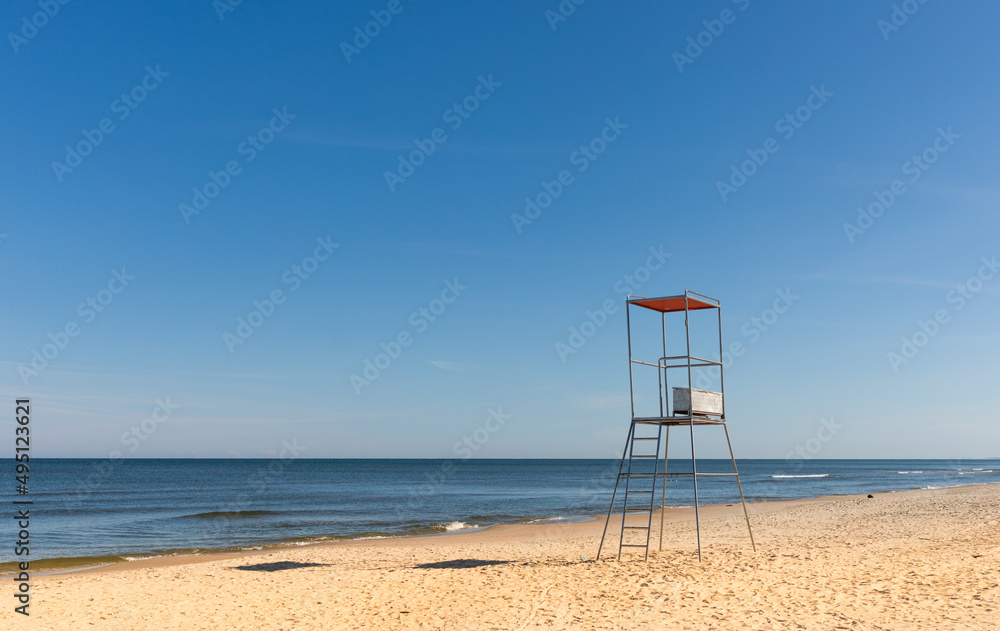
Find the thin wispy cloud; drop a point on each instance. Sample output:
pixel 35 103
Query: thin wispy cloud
pixel 104 371
pixel 330 139
pixel 603 402
pixel 333 139
pixel 452 366
pixel 871 279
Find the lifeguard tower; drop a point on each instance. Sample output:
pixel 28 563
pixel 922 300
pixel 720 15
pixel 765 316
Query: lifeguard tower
pixel 636 484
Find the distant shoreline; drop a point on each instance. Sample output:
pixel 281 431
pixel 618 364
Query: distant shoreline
pixel 479 459
pixel 154 508
pixel 71 565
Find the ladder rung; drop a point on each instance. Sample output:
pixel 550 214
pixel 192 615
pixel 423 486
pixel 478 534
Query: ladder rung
pixel 631 491
pixel 636 457
pixel 641 475
pixel 653 438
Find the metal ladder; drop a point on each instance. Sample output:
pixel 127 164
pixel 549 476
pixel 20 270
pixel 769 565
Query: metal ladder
pixel 627 471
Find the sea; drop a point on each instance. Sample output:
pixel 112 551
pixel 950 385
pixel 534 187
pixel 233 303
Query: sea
pixel 93 511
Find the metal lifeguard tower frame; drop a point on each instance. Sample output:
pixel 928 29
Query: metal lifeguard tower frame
pixel 690 407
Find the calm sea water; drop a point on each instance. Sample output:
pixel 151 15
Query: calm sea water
pixel 100 508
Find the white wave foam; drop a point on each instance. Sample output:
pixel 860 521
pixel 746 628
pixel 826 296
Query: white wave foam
pixel 458 525
pixel 812 475
pixel 909 472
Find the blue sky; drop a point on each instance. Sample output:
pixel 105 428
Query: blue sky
pixel 865 100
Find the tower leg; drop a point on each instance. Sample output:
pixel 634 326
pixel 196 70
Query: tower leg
pixel 614 493
pixel 663 495
pixel 652 492
pixel 740 487
pixel 694 477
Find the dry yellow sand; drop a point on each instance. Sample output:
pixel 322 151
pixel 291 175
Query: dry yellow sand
pixel 924 560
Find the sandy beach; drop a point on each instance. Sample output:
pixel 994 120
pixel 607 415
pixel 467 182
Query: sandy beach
pixel 912 560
